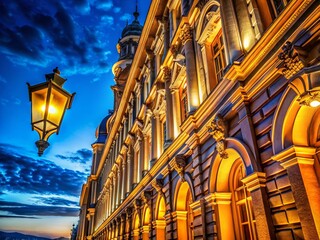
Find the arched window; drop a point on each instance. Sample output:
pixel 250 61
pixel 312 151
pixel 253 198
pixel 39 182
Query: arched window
pixel 244 220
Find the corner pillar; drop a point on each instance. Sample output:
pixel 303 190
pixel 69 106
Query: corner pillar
pixel 256 184
pixel 299 163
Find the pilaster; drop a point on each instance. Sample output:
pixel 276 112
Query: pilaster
pixel 256 184
pixel 299 161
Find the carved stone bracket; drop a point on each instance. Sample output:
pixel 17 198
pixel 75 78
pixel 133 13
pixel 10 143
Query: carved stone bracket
pixel 293 59
pixel 137 204
pixel 217 129
pixel 146 196
pixel 166 73
pixel 157 184
pixel 186 33
pixel 178 163
pixel 174 49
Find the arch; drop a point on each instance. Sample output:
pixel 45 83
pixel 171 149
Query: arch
pixel 294 124
pixel 177 184
pixel 184 215
pixel 146 222
pixel 235 149
pixel 146 215
pixel 160 222
pixel 225 184
pixel 136 226
pixel 203 19
pixel 160 209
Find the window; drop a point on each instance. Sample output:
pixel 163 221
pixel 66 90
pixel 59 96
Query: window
pixel 243 204
pixel 218 57
pixel 278 6
pixel 183 101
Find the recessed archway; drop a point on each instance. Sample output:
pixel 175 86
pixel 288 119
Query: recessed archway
pixel 183 212
pixel 235 219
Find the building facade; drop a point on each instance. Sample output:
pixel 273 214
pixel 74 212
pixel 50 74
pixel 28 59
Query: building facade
pixel 215 132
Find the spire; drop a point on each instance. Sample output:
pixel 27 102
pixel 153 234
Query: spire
pixel 136 13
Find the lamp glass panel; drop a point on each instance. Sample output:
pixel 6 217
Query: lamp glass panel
pixel 57 106
pixel 38 104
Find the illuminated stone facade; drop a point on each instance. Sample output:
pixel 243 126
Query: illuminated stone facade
pixel 212 135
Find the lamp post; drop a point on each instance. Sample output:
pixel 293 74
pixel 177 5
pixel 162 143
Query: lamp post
pixel 49 102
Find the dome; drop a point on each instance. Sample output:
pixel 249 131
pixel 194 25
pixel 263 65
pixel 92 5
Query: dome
pixel 134 28
pixel 101 132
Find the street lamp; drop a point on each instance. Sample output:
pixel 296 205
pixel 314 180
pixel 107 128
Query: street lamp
pixel 49 102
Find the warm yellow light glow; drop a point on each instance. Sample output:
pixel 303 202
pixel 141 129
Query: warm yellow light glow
pixel 246 43
pixel 314 103
pixel 52 109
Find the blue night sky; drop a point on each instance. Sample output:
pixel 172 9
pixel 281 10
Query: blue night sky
pixel 40 195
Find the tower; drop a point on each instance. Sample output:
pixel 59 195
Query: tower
pixel 126 47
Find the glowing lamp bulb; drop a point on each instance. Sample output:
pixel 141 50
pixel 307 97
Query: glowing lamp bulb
pixel 314 103
pixel 52 110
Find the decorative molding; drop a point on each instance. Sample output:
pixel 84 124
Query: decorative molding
pixel 186 33
pixel 146 196
pixel 178 163
pixel 295 155
pixel 255 181
pixel 293 59
pixel 166 74
pixel 157 184
pixel 217 129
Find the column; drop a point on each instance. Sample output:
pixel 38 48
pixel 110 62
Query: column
pixel 114 191
pixel 169 107
pixel 176 119
pixel 224 211
pixel 118 186
pixel 150 56
pixel 111 197
pixel 166 35
pixel 256 184
pixel 107 200
pixel 145 230
pixel 130 170
pixel 124 173
pixel 155 124
pixel 231 36
pixel 160 229
pixel 245 26
pixel 191 71
pixel 145 154
pixel 140 157
pixel 299 161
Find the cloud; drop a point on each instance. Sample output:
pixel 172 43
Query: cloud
pixel 49 32
pixel 12 216
pixel 105 5
pixel 82 156
pixel 56 201
pixel 126 17
pixel 20 209
pixel 22 174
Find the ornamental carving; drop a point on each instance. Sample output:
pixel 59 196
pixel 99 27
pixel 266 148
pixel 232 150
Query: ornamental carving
pixel 293 59
pixel 166 73
pixel 186 33
pixel 146 196
pixel 217 129
pixel 178 164
pixel 157 184
pixel 174 49
pixel 137 204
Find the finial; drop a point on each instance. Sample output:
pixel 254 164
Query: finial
pixel 56 70
pixel 136 13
